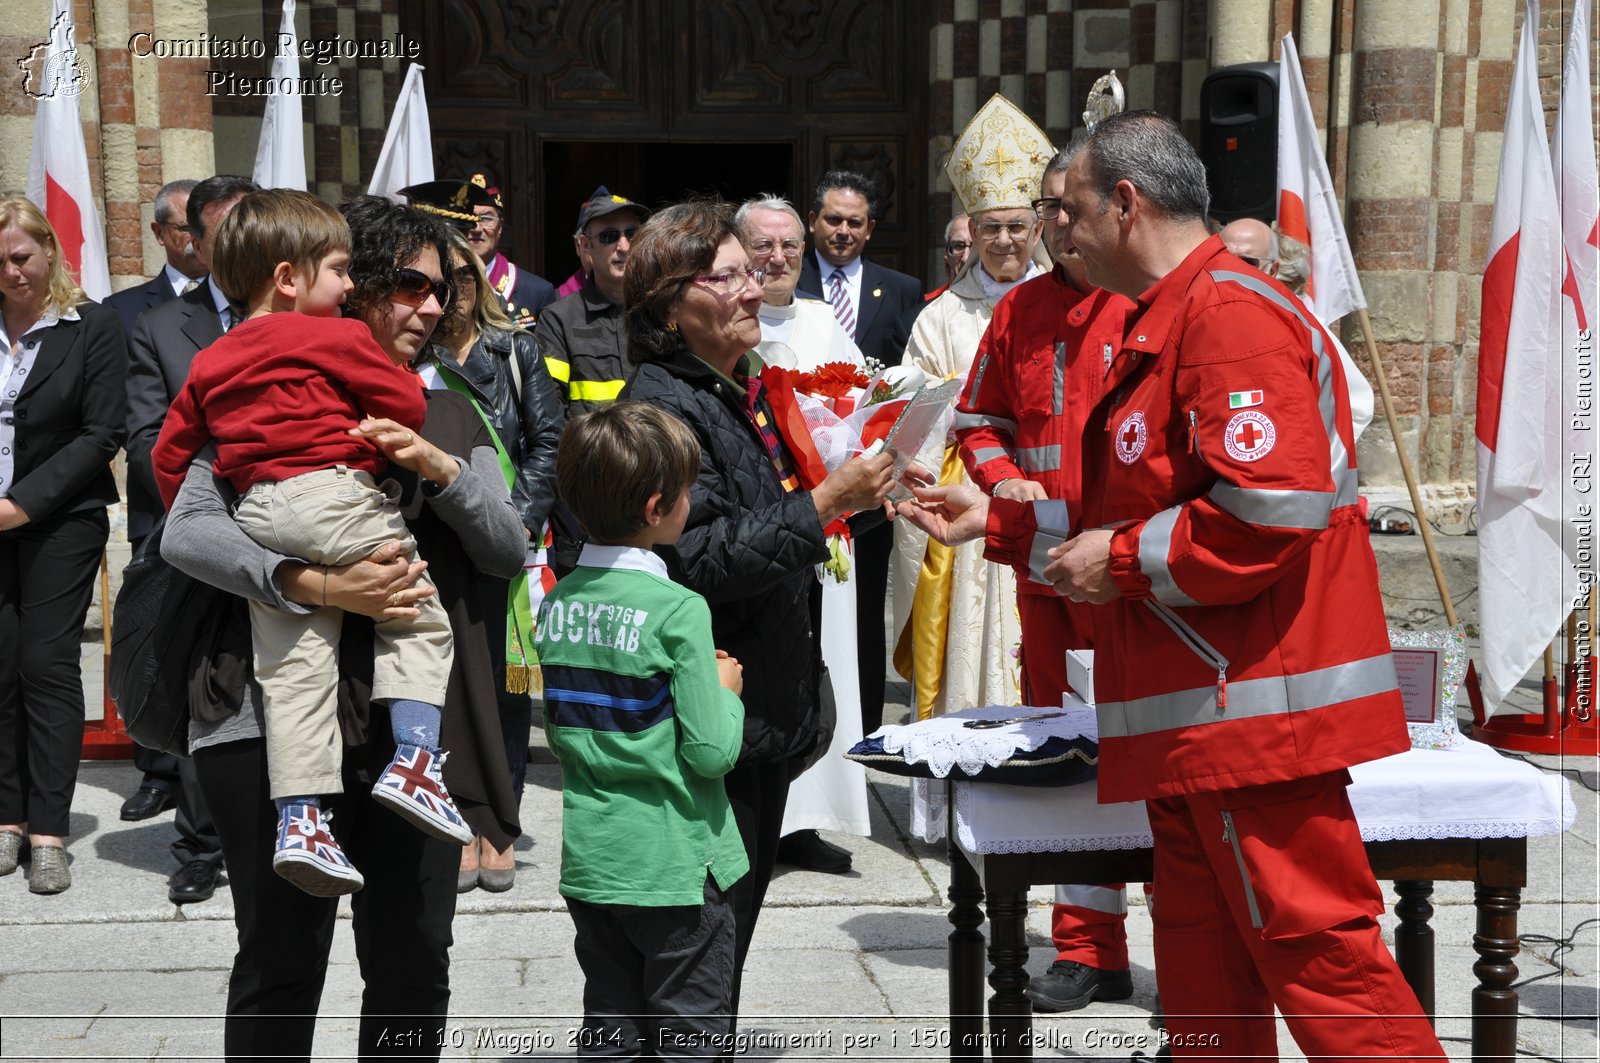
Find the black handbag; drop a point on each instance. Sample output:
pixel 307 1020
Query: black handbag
pixel 163 623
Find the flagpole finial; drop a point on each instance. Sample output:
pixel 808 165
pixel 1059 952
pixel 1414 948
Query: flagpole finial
pixel 1106 98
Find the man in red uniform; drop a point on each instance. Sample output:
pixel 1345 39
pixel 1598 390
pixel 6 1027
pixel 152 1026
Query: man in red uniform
pixel 1019 423
pixel 1243 657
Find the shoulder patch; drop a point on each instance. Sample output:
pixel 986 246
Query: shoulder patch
pixel 1249 436
pixel 1132 435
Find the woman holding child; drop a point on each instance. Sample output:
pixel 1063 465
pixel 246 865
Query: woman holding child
pixel 457 508
pixel 753 537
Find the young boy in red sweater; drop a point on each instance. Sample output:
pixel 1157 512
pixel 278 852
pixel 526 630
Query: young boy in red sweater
pixel 281 395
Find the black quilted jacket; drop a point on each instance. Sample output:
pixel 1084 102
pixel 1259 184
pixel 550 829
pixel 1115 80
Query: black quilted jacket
pixel 750 548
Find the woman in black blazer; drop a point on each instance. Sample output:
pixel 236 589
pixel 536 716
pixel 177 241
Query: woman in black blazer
pixel 63 366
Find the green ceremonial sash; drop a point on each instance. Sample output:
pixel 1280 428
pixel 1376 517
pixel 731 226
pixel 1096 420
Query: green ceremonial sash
pixel 522 662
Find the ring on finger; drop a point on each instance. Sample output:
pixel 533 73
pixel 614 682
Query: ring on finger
pixel 394 599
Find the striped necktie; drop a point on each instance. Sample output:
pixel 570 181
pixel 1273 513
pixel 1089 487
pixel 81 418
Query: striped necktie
pixel 840 298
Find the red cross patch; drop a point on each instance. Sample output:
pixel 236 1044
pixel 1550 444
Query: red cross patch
pixel 1249 436
pixel 1131 438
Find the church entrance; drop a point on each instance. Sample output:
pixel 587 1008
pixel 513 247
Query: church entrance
pixel 657 99
pixel 654 174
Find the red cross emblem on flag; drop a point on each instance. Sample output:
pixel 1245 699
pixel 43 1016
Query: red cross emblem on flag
pixel 1249 436
pixel 1131 437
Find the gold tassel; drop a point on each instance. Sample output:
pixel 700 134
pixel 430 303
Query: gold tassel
pixel 518 678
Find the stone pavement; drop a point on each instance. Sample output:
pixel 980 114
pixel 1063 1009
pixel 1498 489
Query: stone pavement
pixel 842 966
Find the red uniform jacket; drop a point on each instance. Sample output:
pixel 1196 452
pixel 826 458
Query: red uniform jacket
pixel 1249 645
pixel 1038 372
pixel 278 394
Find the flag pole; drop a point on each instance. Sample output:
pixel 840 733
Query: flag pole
pixel 1474 690
pixel 1405 469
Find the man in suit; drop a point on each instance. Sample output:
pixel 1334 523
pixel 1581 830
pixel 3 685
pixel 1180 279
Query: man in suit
pixel 867 301
pixel 165 340
pixel 867 298
pixel 171 229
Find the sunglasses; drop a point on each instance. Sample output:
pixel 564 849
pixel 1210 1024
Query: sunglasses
pixel 607 237
pixel 413 288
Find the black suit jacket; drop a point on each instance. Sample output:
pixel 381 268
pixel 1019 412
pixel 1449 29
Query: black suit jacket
pixel 68 417
pixel 885 295
pixel 131 302
pixel 165 340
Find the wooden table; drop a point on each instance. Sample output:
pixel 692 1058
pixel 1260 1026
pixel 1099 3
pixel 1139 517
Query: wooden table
pixel 1497 867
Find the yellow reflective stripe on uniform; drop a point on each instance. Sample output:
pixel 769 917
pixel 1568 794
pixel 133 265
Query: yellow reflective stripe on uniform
pixel 1269 508
pixel 1155 546
pixel 1247 698
pixel 596 390
pixel 560 371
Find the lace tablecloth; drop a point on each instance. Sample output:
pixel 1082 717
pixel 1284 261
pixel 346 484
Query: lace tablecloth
pixel 1469 791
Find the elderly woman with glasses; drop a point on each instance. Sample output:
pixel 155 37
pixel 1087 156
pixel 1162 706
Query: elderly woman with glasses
pixel 450 488
pixel 754 535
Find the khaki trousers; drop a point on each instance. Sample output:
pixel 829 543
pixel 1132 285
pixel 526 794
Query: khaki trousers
pixel 330 517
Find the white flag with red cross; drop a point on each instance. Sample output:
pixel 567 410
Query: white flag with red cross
pixel 1308 208
pixel 1526 576
pixel 58 166
pixel 1572 150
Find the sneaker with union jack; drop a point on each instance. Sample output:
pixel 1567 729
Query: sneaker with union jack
pixel 310 857
pixel 412 786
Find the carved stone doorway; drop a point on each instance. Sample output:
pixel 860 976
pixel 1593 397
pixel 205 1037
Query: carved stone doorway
pixel 739 96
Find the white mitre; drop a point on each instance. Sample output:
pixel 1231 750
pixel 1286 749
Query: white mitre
pixel 998 160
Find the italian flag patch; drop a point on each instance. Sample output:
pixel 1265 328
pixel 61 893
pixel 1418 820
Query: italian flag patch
pixel 1238 400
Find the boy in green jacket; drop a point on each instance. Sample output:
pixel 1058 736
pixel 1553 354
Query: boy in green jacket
pixel 645 717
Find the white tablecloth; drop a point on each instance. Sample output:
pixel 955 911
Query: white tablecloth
pixel 1469 791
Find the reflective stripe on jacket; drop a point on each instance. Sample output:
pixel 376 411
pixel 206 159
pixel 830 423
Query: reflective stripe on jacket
pixel 1249 645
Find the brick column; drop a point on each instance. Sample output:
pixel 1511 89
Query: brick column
pixel 1407 170
pixel 1240 31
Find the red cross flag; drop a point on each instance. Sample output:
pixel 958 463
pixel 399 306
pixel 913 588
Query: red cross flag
pixel 58 167
pixel 1572 149
pixel 1526 578
pixel 1308 209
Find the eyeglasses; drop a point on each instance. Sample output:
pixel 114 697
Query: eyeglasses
pixel 791 248
pixel 607 237
pixel 464 275
pixel 734 281
pixel 957 247
pixel 1256 263
pixel 487 220
pixel 413 288
pixel 1050 209
pixel 991 230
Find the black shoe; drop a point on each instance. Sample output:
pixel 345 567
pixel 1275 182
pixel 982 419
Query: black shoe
pixel 806 849
pixel 146 801
pixel 1068 986
pixel 194 881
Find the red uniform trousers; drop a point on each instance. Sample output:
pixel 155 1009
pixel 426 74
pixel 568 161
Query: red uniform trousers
pixel 1088 924
pixel 1267 900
